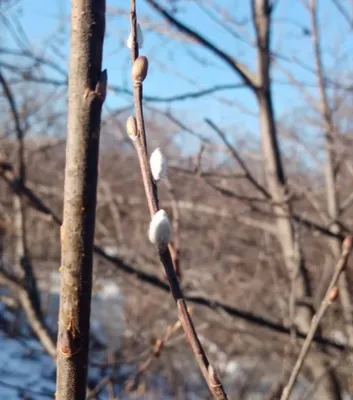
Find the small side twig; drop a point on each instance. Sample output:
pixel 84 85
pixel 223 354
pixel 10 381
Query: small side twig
pixel 99 387
pixel 156 351
pixel 36 323
pixel 330 295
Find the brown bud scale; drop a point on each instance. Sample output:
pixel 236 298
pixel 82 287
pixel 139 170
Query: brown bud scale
pixel 140 69
pixel 131 126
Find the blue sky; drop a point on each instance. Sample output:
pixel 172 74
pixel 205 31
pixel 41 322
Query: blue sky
pixel 173 71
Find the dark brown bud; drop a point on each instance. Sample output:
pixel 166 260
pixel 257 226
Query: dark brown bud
pixel 139 69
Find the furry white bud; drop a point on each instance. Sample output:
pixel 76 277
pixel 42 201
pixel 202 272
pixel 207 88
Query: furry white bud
pixel 160 230
pixel 158 164
pixel 139 35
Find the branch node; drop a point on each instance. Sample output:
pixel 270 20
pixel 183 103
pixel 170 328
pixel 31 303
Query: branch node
pixel 68 344
pixel 214 381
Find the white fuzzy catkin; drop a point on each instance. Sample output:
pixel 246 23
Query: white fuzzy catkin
pixel 139 38
pixel 160 230
pixel 158 164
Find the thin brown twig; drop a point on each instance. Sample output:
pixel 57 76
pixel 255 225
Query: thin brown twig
pixel 330 295
pixel 155 353
pixel 99 387
pixel 241 162
pixel 114 212
pixel 295 217
pixel 139 141
pixel 37 324
pixel 245 74
pixel 343 12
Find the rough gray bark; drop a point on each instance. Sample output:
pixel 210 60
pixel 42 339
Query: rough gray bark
pixel 87 87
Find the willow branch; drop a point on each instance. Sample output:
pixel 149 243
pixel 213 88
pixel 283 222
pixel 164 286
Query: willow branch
pixel 138 136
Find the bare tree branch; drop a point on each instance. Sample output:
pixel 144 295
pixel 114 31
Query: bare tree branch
pixel 247 77
pixel 331 137
pixel 343 12
pixel 330 295
pixel 29 297
pixel 35 320
pixel 248 174
pixel 181 97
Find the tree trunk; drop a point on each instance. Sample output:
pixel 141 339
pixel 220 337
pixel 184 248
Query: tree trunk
pixel 87 86
pixel 276 181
